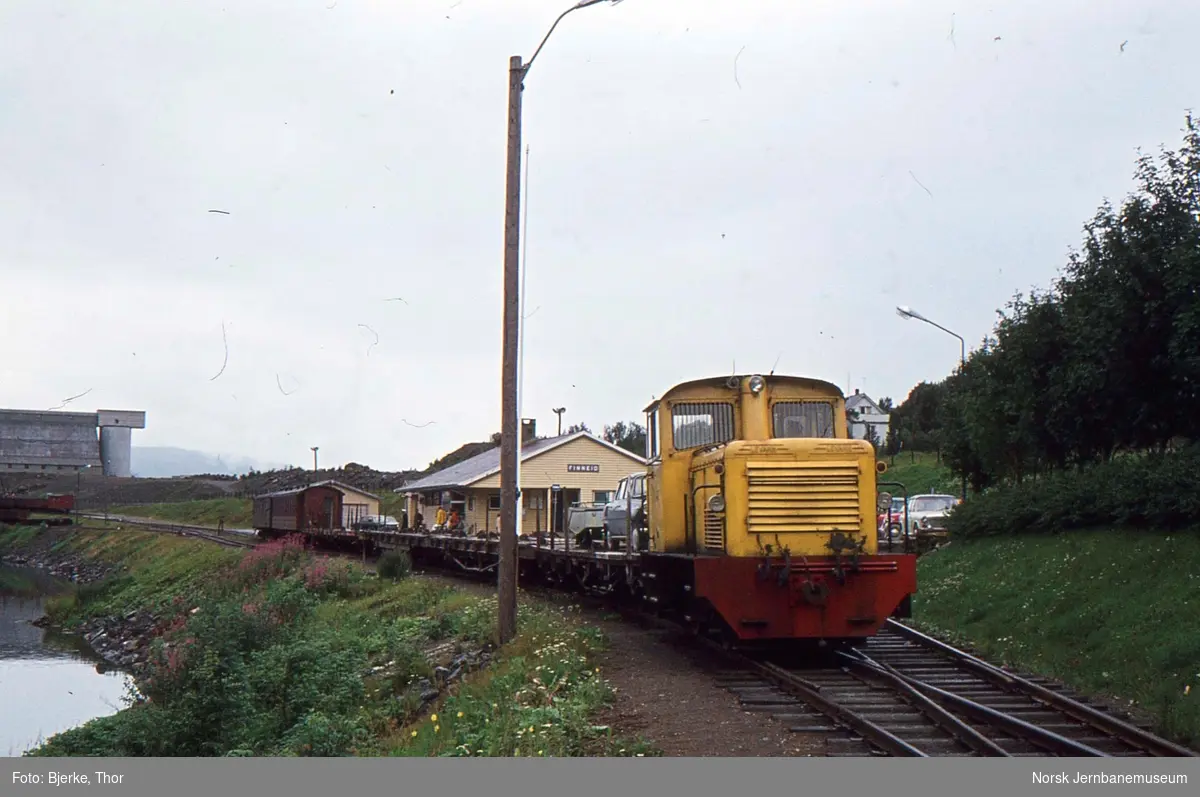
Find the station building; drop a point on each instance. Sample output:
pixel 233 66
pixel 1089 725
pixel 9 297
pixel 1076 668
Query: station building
pixel 556 473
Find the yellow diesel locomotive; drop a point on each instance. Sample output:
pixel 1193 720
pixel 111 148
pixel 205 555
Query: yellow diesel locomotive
pixel 760 513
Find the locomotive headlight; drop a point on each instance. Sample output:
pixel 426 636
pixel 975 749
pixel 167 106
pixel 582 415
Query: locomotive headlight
pixel 757 383
pixel 716 503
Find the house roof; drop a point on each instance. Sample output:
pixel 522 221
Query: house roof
pixel 483 465
pixel 862 398
pixel 344 487
pixel 293 491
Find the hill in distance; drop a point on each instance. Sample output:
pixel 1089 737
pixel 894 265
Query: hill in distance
pixel 158 462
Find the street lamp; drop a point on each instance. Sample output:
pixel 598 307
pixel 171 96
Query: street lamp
pixel 314 450
pixel 510 428
pixel 907 313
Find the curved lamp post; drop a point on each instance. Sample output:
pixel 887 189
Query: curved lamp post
pixel 510 428
pixel 909 313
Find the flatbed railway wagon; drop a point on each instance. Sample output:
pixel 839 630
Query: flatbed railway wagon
pixel 760 521
pixel 313 510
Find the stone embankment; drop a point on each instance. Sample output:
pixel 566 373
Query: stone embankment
pixel 122 641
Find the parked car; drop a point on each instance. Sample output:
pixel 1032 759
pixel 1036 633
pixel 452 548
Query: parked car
pixel 891 523
pixel 377 523
pixel 927 513
pixel 628 501
pixel 585 523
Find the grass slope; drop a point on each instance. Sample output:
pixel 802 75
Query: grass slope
pixel 921 473
pixel 236 512
pixel 279 652
pixel 1111 612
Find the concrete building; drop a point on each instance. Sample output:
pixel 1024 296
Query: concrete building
pixel 864 413
pixel 585 469
pixel 356 503
pixel 34 442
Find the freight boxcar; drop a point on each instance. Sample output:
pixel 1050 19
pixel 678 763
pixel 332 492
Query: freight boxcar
pixel 308 510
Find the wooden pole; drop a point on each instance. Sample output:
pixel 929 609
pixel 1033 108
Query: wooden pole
pixel 510 424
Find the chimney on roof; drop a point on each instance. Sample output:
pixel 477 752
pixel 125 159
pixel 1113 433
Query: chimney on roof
pixel 528 430
pixel 856 391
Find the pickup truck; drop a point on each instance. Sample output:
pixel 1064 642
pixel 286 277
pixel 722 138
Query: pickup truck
pixel 629 501
pixel 585 523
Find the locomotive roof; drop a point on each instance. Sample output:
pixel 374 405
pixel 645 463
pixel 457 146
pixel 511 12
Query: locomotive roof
pixel 771 379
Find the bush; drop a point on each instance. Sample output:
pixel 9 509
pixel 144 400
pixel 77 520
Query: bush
pixel 394 565
pixel 1156 491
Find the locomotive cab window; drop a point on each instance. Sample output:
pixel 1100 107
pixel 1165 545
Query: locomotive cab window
pixel 802 419
pixel 651 435
pixel 696 424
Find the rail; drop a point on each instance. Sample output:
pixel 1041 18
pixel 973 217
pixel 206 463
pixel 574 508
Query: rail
pixel 1081 712
pixel 179 529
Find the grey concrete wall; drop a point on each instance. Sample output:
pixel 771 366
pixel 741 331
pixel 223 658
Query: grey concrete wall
pixel 116 450
pixel 34 440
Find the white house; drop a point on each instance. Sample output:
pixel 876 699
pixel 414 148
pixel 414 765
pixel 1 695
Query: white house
pixel 864 412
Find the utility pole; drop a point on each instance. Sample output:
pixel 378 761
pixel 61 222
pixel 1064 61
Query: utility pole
pixel 510 427
pixel 314 450
pixel 559 412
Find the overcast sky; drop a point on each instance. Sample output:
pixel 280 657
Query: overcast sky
pixel 709 183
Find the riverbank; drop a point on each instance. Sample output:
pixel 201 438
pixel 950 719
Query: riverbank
pixel 276 651
pixel 1110 612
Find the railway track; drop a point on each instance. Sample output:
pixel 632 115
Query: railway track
pixel 183 530
pixel 907 694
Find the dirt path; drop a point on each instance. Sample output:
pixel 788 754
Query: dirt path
pixel 667 694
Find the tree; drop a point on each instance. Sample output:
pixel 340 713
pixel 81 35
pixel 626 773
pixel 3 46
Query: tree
pixel 629 436
pixel 577 427
pixel 1106 361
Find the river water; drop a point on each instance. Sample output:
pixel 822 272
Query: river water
pixel 49 682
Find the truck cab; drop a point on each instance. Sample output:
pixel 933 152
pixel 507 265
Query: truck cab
pixel 629 501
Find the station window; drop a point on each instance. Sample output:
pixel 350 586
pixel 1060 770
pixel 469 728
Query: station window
pixel 701 423
pixel 802 419
pixel 494 503
pixel 602 496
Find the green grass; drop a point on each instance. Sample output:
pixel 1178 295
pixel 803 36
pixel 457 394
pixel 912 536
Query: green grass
pixel 278 652
pixel 15 538
pixel 236 512
pixel 920 473
pixel 1111 612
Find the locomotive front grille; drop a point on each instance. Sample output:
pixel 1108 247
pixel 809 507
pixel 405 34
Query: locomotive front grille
pixel 802 497
pixel 714 531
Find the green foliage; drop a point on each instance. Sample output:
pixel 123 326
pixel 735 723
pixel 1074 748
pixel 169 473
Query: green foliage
pixel 629 436
pixel 394 565
pixel 538 702
pixel 1150 491
pixel 1104 364
pixel 1079 607
pixel 277 651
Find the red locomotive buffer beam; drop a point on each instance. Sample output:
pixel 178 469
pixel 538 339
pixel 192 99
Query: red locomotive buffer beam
pixel 807 600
